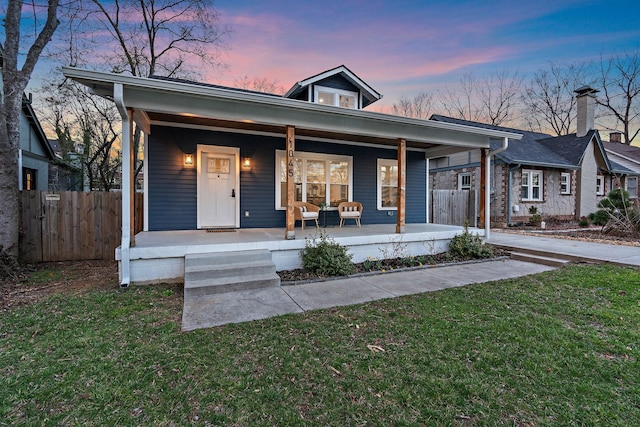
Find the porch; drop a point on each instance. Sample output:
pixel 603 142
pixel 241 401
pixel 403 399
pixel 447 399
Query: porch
pixel 158 256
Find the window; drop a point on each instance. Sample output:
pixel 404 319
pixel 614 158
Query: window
pixel 464 181
pixel 29 181
pixel 565 183
pixel 387 184
pixel 631 184
pixel 531 185
pixel 600 185
pixel 318 178
pixel 336 97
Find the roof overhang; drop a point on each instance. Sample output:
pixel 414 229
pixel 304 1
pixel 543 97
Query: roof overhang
pixel 187 104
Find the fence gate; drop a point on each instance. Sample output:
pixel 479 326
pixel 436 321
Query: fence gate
pixel 71 225
pixel 454 207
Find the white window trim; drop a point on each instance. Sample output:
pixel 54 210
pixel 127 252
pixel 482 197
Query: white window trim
pixel 460 177
pixel 566 175
pixel 337 92
pixel 633 195
pixel 379 164
pixel 281 154
pixel 529 197
pixel 600 185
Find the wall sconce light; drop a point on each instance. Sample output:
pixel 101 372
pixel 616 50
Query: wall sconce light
pixel 188 159
pixel 246 163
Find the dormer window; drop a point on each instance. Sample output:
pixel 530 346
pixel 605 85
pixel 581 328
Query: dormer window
pixel 336 97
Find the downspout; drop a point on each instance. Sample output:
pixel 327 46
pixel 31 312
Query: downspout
pixel 487 193
pixel 509 185
pixel 125 245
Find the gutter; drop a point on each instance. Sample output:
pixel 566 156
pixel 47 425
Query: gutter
pixel 125 245
pixel 487 193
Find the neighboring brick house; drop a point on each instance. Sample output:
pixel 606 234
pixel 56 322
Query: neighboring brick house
pixel 629 157
pixel 563 177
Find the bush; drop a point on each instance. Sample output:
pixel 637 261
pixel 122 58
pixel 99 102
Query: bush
pixel 324 257
pixel 469 246
pixel 619 215
pixel 584 221
pixel 536 218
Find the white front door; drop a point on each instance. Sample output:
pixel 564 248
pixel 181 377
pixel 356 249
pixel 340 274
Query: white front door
pixel 218 194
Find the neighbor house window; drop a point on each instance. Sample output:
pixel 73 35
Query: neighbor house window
pixel 631 184
pixel 336 97
pixel 600 185
pixel 318 178
pixel 464 181
pixel 531 185
pixel 565 183
pixel 387 184
pixel 29 181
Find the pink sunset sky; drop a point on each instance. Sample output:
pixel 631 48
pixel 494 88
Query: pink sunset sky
pixel 404 47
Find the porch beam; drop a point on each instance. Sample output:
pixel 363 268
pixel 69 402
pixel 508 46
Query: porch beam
pixel 290 233
pixel 484 182
pixel 402 173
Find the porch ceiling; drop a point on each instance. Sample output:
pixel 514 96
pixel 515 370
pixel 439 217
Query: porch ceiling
pixel 203 105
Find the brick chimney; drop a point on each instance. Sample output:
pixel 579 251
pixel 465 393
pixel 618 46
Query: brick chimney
pixel 615 136
pixel 586 101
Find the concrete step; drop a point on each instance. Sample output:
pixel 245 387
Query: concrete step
pixel 538 259
pixel 544 253
pixel 227 257
pixel 200 272
pixel 208 274
pixel 211 286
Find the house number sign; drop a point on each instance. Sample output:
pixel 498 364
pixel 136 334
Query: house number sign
pixel 290 148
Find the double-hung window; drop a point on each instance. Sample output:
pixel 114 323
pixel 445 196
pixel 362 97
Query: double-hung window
pixel 464 181
pixel 631 184
pixel 599 185
pixel 565 183
pixel 387 184
pixel 336 97
pixel 531 185
pixel 318 178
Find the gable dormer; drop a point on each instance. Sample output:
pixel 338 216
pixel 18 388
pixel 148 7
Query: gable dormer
pixel 339 87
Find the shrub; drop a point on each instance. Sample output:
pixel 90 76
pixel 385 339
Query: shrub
pixel 324 257
pixel 536 218
pixel 584 222
pixel 599 218
pixel 469 246
pixel 621 216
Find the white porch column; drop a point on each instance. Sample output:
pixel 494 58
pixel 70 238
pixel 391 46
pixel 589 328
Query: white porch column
pixel 126 186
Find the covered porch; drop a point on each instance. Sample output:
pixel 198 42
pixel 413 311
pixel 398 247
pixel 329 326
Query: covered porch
pixel 159 255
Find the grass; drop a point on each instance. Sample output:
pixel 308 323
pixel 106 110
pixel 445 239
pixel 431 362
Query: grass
pixel 558 348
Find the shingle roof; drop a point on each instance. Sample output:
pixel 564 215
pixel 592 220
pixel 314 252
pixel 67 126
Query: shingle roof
pixel 626 150
pixel 535 148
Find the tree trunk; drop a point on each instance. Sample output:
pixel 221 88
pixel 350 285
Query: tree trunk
pixel 9 143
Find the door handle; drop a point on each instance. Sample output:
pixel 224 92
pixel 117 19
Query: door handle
pixel 233 193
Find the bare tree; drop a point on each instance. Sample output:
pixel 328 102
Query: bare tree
pixel 260 85
pixel 461 102
pixel 156 37
pixel 549 100
pixel 490 99
pixel 14 82
pixel 620 94
pixel 418 107
pixel 498 94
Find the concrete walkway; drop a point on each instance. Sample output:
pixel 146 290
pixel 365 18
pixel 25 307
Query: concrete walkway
pixel 569 249
pixel 235 307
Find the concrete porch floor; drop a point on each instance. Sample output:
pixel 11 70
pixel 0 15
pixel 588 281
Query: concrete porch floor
pixel 158 256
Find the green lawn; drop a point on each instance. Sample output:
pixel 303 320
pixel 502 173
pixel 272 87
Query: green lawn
pixel 559 348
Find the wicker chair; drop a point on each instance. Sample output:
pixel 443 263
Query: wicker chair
pixel 350 210
pixel 304 211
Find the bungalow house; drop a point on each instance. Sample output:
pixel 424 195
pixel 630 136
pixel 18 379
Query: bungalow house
pixel 561 177
pixel 233 162
pixel 628 156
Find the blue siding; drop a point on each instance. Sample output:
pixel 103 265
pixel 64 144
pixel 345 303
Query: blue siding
pixel 173 189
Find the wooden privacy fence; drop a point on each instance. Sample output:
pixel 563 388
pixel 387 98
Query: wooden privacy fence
pixel 454 207
pixel 70 225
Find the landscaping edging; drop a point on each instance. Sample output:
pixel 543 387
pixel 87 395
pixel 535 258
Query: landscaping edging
pixel 395 270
